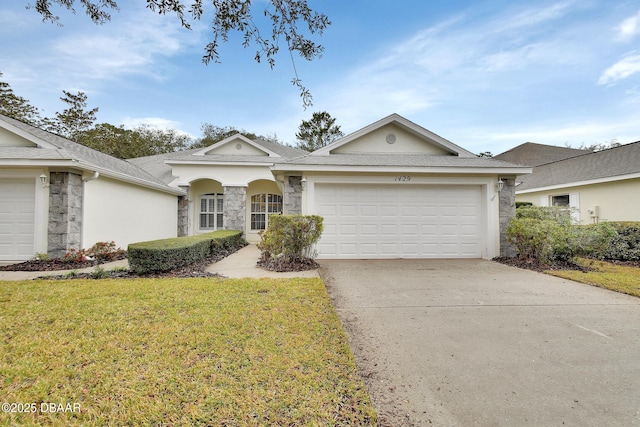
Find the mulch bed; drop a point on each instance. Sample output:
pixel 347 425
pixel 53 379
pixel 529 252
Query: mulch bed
pixel 194 270
pixel 303 264
pixel 536 265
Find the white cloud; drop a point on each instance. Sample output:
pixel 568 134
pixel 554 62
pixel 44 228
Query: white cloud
pixel 622 69
pixel 153 122
pixel 628 28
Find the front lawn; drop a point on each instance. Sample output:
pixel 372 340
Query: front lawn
pixel 619 278
pixel 206 352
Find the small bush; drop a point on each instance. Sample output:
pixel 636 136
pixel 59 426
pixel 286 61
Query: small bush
pixel 106 251
pixel 624 244
pixel 75 255
pixel 522 204
pixel 548 235
pixel 169 254
pixel 289 240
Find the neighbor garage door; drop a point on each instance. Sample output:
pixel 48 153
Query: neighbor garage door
pixel 17 207
pixel 400 221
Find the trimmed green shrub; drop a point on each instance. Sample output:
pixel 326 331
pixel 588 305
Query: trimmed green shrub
pixel 522 204
pixel 624 245
pixel 548 235
pixel 289 239
pixel 168 254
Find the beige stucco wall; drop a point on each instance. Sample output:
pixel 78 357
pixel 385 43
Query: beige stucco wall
pixel 376 142
pixel 237 147
pixel 226 175
pixel 126 213
pixel 10 139
pixel 617 201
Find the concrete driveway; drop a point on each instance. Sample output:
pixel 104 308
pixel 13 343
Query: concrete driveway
pixel 473 342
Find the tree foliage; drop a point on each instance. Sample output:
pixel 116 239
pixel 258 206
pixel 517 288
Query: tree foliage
pixel 212 134
pixel 130 143
pixel 17 107
pixel 318 131
pixel 72 122
pixel 292 22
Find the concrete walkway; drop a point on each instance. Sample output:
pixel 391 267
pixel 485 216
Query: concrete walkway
pixel 240 264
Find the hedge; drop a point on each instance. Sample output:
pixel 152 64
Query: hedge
pixel 168 254
pixel 624 245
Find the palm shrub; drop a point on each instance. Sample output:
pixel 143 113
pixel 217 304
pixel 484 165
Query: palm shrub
pixel 289 239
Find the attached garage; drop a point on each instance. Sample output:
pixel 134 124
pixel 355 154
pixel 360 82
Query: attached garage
pixel 397 190
pixel 17 219
pixel 400 221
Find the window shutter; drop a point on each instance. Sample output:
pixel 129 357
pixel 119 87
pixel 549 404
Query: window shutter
pixel 544 201
pixel 574 204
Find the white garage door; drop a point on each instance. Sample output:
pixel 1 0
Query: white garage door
pixel 17 207
pixel 400 221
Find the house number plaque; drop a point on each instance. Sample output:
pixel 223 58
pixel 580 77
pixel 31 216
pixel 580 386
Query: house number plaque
pixel 402 178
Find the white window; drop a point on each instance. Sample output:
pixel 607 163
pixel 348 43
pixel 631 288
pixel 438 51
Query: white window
pixel 561 201
pixel 211 211
pixel 262 207
pixel 569 202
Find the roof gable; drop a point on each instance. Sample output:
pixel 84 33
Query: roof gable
pixel 14 136
pixel 236 145
pixel 393 135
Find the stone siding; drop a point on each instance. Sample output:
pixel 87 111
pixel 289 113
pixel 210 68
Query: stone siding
pixel 183 216
pixel 292 198
pixel 235 207
pixel 65 213
pixel 507 211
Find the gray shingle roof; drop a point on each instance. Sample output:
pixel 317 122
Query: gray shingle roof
pixel 612 162
pixel 158 167
pixel 69 150
pixel 401 160
pixel 532 154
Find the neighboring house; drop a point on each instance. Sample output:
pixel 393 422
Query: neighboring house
pixel 532 154
pixel 390 190
pixel 598 186
pixel 56 194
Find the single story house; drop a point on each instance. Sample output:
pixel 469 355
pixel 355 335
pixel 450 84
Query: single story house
pixel 390 190
pixel 597 186
pixel 56 195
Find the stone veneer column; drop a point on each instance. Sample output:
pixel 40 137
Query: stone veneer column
pixel 65 213
pixel 183 212
pixel 235 208
pixel 292 199
pixel 507 211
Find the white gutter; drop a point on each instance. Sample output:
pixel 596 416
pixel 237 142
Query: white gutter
pixel 402 169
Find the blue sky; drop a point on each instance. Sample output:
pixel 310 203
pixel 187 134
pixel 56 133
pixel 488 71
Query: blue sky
pixel 487 75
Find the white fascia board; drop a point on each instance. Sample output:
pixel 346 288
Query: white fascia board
pixel 206 163
pixel 580 183
pixel 132 180
pixel 401 169
pixel 39 163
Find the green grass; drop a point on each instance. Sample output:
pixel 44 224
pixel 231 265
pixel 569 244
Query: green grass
pixel 605 275
pixel 174 352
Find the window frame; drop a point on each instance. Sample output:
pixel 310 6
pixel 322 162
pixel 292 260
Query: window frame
pixel 217 213
pixel 262 206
